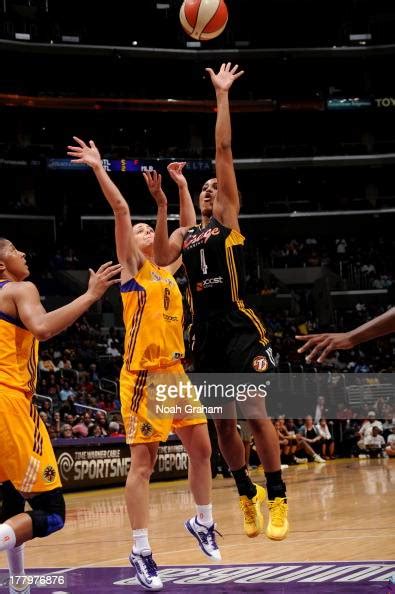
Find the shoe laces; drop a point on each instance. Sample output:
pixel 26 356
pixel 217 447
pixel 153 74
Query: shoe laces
pixel 149 566
pixel 207 536
pixel 277 509
pixel 248 509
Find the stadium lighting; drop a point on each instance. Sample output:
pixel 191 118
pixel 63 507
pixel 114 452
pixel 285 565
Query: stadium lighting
pixel 22 36
pixel 70 39
pixel 162 5
pixel 193 44
pixel 360 38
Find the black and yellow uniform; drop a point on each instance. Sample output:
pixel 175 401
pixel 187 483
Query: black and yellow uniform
pixel 227 336
pixel 26 455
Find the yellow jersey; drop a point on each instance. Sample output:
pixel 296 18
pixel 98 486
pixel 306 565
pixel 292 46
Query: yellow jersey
pixel 153 315
pixel 18 354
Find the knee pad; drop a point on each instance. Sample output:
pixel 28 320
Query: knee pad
pixel 49 512
pixel 12 502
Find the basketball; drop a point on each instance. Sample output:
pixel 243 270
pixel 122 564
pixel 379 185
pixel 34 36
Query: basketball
pixel 203 19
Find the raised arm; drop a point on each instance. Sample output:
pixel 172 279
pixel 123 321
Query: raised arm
pixel 127 252
pixel 166 250
pixel 187 209
pixel 321 345
pixel 43 325
pixel 226 206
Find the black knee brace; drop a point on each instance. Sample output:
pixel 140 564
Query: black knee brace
pixel 12 502
pixel 48 513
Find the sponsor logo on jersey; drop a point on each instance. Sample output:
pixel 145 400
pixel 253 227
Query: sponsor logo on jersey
pixel 146 429
pixel 208 283
pixel 49 474
pixel 170 318
pixel 157 278
pixel 260 363
pixel 202 237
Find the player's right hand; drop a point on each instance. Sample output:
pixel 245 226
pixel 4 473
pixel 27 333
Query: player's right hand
pixel 153 179
pixel 321 345
pixel 103 279
pixel 88 155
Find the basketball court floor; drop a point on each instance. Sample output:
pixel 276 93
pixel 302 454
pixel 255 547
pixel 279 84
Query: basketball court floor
pixel 342 538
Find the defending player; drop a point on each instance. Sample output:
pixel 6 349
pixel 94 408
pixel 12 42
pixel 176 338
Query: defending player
pixel 28 468
pixel 324 344
pixel 153 348
pixel 228 336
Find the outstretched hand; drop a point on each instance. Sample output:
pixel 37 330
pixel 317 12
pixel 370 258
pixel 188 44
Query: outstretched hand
pixel 321 345
pixel 226 76
pixel 89 155
pixel 153 179
pixel 103 279
pixel 176 174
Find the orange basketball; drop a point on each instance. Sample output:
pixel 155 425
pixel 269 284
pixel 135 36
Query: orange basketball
pixel 203 19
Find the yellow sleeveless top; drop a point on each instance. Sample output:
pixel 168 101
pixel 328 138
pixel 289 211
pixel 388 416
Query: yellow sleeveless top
pixel 18 354
pixel 152 313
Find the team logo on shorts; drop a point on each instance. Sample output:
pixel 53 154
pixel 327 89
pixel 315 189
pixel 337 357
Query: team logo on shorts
pixel 146 429
pixel 260 364
pixel 49 474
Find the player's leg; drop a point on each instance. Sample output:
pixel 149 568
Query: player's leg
pixel 29 471
pixel 143 457
pixel 196 441
pixel 251 495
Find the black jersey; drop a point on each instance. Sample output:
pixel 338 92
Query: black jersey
pixel 214 260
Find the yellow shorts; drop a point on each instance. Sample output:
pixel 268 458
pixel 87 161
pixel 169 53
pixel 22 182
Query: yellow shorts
pixel 26 455
pixel 143 422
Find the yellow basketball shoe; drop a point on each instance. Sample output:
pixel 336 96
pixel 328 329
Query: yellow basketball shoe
pixel 277 527
pixel 253 518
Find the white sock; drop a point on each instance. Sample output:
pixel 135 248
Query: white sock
pixel 7 537
pixel 15 558
pixel 204 514
pixel 140 540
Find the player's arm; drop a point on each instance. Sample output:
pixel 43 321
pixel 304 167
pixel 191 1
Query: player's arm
pixel 128 253
pixel 321 345
pixel 187 209
pixel 227 203
pixel 43 325
pixel 166 249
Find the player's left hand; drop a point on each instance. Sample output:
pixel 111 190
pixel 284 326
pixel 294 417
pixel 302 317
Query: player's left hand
pixel 323 344
pixel 226 76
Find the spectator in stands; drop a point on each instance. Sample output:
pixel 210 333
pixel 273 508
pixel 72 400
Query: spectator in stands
pixel 311 434
pixel 374 443
pixel 46 364
pixel 321 410
pixel 93 375
pixel 65 362
pixel 83 375
pixel 366 431
pixel 81 429
pixel 341 246
pixel 101 421
pixel 344 412
pixel 68 407
pixel 113 430
pixel 66 431
pixel 55 427
pixel 112 350
pixel 66 392
pixel 96 431
pixel 390 449
pixel 46 407
pixel 328 443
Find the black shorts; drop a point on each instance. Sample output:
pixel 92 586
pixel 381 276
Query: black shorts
pixel 229 343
